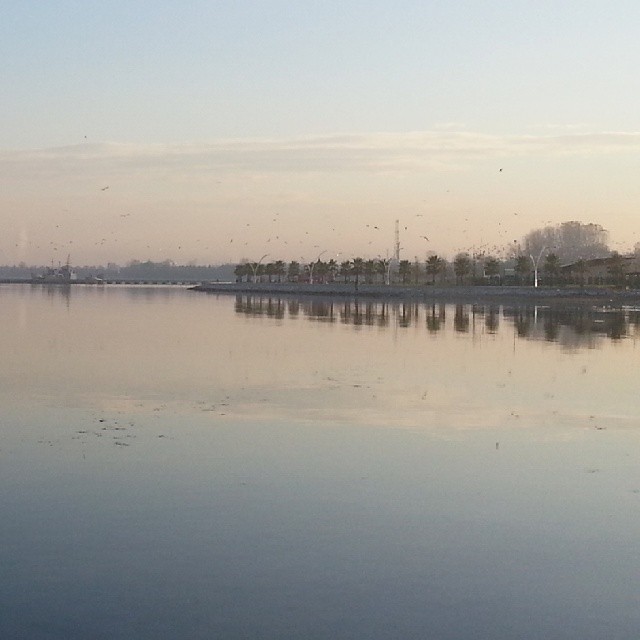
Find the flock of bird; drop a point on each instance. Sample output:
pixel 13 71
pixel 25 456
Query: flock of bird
pixel 282 236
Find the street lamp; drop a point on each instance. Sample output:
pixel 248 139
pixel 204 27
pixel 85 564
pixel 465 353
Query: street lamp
pixel 536 262
pixel 387 263
pixel 255 267
pixel 313 264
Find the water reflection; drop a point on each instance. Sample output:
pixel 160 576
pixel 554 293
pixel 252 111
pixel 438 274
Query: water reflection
pixel 54 292
pixel 260 467
pixel 257 306
pixel 572 326
pixel 435 317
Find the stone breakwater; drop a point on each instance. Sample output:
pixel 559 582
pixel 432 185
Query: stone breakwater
pixel 597 295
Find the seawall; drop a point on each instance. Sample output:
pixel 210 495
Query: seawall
pixel 597 295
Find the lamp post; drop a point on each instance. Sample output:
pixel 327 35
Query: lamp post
pixel 313 264
pixel 536 262
pixel 387 263
pixel 255 268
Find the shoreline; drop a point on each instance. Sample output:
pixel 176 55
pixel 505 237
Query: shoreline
pixel 428 293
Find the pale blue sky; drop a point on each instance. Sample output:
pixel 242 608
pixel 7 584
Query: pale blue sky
pixel 433 98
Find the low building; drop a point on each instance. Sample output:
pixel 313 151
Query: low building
pixel 612 270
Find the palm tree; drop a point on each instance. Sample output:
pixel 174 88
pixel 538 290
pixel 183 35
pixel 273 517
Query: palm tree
pixel 491 267
pixel 357 268
pixel 320 271
pixel 523 267
pixel 241 271
pixel 332 269
pixel 382 267
pixel 369 269
pixel 293 272
pixel 461 266
pixel 552 267
pixel 404 269
pixel 345 270
pixel 279 269
pixel 416 271
pixel 435 265
pixel 269 270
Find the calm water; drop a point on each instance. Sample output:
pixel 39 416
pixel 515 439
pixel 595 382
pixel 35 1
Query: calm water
pixel 179 465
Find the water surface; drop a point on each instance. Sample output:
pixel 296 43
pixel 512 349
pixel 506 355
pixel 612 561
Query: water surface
pixel 181 465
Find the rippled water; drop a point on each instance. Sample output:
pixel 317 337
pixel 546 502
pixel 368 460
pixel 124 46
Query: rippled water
pixel 181 465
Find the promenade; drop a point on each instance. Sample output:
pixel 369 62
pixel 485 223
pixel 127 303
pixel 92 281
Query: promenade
pixel 597 295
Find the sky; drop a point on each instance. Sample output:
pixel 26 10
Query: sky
pixel 217 131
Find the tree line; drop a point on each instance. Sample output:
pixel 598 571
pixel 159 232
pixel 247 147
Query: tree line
pixel 553 255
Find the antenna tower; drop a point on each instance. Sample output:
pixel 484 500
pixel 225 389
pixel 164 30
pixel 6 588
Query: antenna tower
pixel 396 253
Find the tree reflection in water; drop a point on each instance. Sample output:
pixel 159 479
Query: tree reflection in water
pixel 435 317
pixel 461 318
pixel 570 326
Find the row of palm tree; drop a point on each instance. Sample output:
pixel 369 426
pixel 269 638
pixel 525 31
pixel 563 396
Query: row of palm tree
pixel 371 271
pixel 464 269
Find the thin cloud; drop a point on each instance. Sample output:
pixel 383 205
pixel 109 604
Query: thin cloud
pixel 374 152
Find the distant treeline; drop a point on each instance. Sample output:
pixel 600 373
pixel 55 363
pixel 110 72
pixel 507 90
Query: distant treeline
pixel 134 270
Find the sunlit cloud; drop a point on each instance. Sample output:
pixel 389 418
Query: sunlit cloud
pixel 375 152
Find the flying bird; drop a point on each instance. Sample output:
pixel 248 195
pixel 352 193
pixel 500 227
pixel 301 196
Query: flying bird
pixel 425 237
pixel 104 188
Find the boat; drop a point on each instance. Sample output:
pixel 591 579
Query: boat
pixel 52 275
pixel 63 275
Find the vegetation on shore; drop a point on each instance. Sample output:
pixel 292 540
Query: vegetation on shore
pixel 570 253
